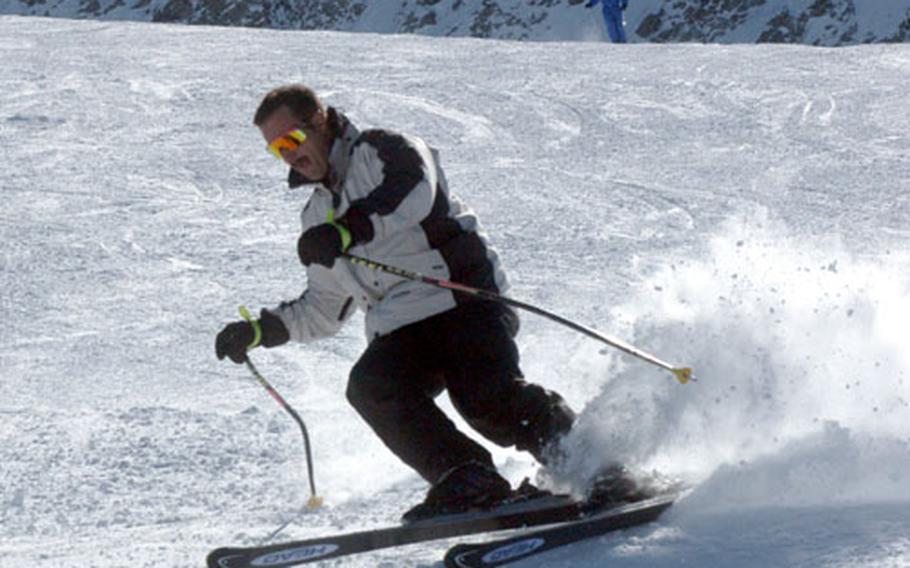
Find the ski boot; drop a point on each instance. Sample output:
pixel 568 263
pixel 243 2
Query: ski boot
pixel 472 486
pixel 615 485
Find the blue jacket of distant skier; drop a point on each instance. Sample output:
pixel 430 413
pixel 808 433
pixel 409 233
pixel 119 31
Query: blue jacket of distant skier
pixel 610 4
pixel 612 10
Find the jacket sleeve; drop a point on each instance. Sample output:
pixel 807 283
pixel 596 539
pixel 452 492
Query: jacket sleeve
pixel 392 185
pixel 320 311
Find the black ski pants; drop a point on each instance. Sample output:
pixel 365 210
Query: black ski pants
pixel 470 352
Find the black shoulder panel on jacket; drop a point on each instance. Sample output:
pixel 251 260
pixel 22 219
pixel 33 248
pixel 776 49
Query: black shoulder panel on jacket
pixel 401 171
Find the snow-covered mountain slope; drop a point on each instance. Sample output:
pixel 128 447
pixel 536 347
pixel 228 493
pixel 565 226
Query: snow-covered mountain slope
pixel 740 209
pixel 815 22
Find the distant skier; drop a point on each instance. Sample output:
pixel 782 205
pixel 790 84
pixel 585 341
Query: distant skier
pixel 383 195
pixel 612 10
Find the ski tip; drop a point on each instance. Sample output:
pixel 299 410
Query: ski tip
pixel 458 556
pixel 222 558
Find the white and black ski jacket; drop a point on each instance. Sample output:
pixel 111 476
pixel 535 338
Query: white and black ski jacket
pixel 406 218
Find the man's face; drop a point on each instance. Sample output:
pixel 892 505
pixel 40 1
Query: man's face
pixel 311 158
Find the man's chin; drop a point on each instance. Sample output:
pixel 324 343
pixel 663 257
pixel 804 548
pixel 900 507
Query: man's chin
pixel 306 173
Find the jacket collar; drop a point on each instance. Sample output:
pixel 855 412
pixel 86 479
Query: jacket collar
pixel 339 155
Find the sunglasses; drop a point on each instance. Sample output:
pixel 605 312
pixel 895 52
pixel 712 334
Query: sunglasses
pixel 289 141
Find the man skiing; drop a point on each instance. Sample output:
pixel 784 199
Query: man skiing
pixel 612 10
pixel 383 195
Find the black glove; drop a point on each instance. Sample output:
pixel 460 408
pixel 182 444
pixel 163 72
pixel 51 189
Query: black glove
pixel 233 341
pixel 236 338
pixel 320 244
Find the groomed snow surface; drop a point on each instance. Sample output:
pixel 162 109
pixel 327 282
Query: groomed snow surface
pixel 743 210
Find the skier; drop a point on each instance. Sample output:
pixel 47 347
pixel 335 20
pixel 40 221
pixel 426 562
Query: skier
pixel 612 10
pixel 383 195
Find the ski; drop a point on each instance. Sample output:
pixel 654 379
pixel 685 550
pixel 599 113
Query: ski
pixel 504 551
pixel 543 510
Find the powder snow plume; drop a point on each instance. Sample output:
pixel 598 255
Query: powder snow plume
pixel 803 391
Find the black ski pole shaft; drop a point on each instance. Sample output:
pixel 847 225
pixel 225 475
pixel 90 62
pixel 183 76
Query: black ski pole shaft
pixel 314 501
pixel 682 374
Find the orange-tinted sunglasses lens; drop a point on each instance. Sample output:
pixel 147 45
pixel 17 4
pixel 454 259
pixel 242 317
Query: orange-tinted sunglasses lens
pixel 289 141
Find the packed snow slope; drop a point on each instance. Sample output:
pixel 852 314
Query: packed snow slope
pixel 812 22
pixel 743 210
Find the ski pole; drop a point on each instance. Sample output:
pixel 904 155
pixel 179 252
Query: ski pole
pixel 314 501
pixel 682 374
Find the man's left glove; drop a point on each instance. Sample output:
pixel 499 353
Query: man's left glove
pixel 321 244
pixel 236 338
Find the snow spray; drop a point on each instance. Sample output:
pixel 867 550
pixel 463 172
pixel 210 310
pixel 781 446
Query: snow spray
pixel 802 351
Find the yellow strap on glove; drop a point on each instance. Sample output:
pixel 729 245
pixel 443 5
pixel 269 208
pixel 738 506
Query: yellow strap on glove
pixel 257 328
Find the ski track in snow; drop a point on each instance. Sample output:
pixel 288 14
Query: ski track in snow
pixel 743 210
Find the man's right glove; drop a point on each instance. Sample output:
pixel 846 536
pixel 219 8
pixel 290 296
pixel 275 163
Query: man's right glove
pixel 324 243
pixel 321 244
pixel 236 338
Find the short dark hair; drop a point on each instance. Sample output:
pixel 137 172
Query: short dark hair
pixel 299 99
